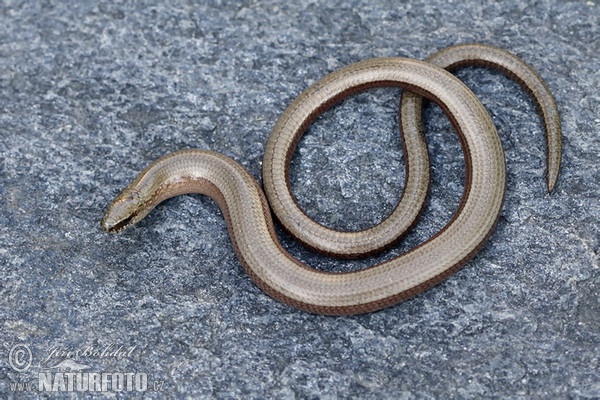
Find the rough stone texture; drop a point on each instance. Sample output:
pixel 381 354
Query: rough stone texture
pixel 91 92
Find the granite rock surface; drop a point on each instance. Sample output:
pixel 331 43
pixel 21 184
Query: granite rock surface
pixel 93 91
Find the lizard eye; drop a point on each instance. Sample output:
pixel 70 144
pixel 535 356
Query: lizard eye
pixel 133 197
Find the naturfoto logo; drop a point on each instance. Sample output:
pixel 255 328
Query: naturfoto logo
pixel 68 370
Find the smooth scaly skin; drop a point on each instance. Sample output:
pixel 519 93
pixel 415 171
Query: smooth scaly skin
pixel 352 244
pixel 248 217
pixel 483 55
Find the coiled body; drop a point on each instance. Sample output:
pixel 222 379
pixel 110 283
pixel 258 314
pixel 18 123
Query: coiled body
pixel 293 122
pixel 249 219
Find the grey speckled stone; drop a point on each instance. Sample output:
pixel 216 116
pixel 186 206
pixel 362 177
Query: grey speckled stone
pixel 91 92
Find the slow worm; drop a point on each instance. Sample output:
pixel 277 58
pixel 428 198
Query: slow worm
pixel 249 219
pixel 283 139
